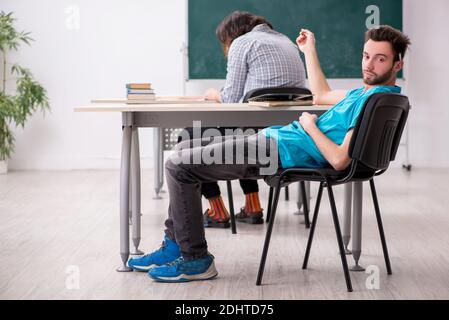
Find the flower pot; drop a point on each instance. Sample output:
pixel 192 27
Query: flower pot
pixel 3 166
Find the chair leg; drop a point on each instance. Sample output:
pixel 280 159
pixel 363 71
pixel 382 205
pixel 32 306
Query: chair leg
pixel 380 226
pixel 312 230
pixel 231 207
pixel 268 236
pixel 305 204
pixel 344 262
pixel 287 198
pixel 270 202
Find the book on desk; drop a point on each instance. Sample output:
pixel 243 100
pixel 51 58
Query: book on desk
pixel 281 100
pixel 158 100
pixel 167 100
pixel 143 93
pixel 139 93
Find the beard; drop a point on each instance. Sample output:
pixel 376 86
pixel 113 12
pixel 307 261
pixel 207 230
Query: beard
pixel 378 79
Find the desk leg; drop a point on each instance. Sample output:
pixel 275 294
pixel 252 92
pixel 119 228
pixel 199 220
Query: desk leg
pixel 161 164
pixel 299 201
pixel 124 198
pixel 157 161
pixel 136 193
pixel 357 226
pixel 130 206
pixel 347 206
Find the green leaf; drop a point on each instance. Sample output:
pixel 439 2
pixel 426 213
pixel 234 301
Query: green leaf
pixel 30 96
pixel 10 39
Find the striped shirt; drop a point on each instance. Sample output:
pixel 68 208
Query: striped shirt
pixel 261 58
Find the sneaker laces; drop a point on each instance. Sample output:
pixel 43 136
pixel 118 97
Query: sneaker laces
pixel 162 248
pixel 181 259
pixel 176 261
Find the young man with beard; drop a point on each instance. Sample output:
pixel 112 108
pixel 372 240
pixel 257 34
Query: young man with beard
pixel 309 142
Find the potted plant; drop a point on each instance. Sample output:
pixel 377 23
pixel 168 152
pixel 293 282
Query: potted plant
pixel 23 98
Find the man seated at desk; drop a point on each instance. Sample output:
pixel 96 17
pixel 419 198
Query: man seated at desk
pixel 257 57
pixel 309 142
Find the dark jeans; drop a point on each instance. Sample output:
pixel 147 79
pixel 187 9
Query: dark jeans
pixel 211 189
pixel 185 175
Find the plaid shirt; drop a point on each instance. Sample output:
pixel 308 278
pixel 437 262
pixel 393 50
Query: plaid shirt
pixel 261 58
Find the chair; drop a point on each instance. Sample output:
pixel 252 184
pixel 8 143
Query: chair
pixel 373 145
pixel 275 90
pixel 171 138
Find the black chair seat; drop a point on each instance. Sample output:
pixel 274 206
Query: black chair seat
pixel 248 95
pixel 373 146
pixel 297 175
pixel 322 174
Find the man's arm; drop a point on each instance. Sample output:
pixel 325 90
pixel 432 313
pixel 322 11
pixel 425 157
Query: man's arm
pixel 236 75
pixel 336 155
pixel 212 94
pixel 318 83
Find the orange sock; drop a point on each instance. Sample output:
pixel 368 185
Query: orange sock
pixel 218 209
pixel 252 203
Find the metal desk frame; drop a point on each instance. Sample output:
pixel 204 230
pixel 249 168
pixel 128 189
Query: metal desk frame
pixel 159 116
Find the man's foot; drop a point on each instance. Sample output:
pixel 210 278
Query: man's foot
pixel 250 217
pixel 211 220
pixel 217 216
pixel 168 252
pixel 182 270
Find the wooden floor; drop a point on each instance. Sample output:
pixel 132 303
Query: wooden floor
pixel 53 224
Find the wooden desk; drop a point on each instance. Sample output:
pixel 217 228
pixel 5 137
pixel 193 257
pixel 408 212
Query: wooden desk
pixel 170 116
pixel 210 114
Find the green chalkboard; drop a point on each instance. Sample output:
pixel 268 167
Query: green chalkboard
pixel 339 27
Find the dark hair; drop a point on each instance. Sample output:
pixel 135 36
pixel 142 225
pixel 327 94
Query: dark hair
pixel 236 24
pixel 399 41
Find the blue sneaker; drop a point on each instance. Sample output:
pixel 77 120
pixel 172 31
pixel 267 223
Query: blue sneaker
pixel 182 270
pixel 168 252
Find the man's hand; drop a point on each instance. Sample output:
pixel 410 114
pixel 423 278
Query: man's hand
pixel 212 94
pixel 306 41
pixel 307 121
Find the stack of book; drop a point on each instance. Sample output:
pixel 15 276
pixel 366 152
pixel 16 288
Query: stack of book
pixel 139 93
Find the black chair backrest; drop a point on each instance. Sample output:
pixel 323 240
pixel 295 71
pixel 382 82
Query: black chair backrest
pixel 273 90
pixel 378 131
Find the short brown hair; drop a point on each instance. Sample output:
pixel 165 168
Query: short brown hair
pixel 399 41
pixel 237 24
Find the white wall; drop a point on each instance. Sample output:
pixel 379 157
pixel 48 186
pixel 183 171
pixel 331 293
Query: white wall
pixel 130 41
pixel 117 42
pixel 427 24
